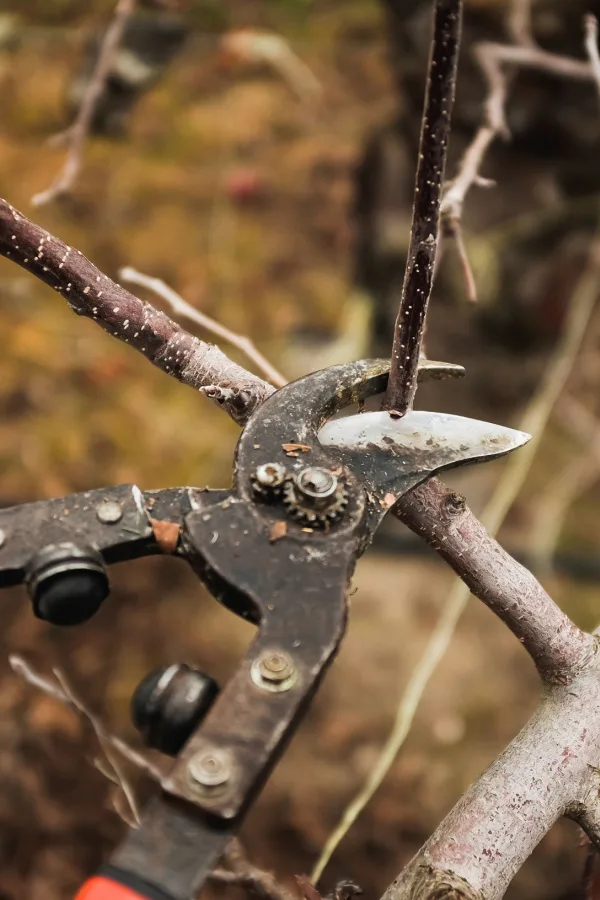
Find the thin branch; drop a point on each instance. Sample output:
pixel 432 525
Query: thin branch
pixel 241 872
pixel 591 47
pixel 552 507
pixel 114 749
pixel 247 45
pixel 59 691
pixel 418 276
pixel 587 876
pixel 442 518
pixel 182 308
pixel 519 23
pixel 92 294
pixel 77 134
pixel 492 58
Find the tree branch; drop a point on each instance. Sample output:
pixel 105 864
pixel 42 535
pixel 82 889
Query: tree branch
pixel 92 294
pixel 548 770
pixel 442 518
pixel 76 135
pixel 492 58
pixel 591 46
pixel 418 276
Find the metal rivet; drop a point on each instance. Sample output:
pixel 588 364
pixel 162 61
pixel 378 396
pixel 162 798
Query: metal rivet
pixel 209 768
pixel 270 474
pixel 109 512
pixel 2 537
pixel 274 670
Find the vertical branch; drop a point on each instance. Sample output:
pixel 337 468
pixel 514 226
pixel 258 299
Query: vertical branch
pixel 418 276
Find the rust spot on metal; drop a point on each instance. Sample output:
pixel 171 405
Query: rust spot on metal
pixel 278 531
pixel 166 534
pixel 292 449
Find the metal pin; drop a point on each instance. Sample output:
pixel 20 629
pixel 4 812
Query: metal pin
pixel 209 768
pixel 109 512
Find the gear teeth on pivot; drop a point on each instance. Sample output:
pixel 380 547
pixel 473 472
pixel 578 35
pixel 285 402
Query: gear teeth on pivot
pixel 299 507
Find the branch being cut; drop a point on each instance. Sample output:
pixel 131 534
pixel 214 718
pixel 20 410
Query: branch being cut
pixel 418 276
pixel 76 135
pixel 92 294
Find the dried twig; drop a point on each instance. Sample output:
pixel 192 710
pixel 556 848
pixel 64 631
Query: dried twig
pixel 519 23
pixel 418 276
pixel 492 59
pixel 575 478
pixel 263 47
pixel 113 747
pixel 77 134
pixel 182 308
pixel 587 876
pixel 60 691
pixel 591 46
pixel 241 872
pixel 435 513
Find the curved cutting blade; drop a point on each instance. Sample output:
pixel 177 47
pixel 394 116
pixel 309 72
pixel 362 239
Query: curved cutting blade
pixel 391 456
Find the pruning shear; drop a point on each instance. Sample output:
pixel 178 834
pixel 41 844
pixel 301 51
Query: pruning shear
pixel 278 548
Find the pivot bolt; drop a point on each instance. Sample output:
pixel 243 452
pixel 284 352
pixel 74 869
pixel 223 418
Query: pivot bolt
pixel 315 497
pixel 273 670
pixel 209 769
pixel 316 483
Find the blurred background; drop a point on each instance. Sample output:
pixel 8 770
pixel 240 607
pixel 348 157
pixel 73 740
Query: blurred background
pixel 272 189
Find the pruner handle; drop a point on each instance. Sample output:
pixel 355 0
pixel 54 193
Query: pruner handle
pixel 112 883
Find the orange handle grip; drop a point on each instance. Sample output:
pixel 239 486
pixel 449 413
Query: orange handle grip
pixel 101 888
pixel 118 886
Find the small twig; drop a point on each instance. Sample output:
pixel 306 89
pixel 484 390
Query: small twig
pixel 492 58
pixel 453 229
pixel 418 275
pixel 591 47
pixel 77 134
pixel 61 691
pixel 587 876
pixel 264 47
pixel 519 23
pixel 182 308
pixel 241 872
pixel 575 478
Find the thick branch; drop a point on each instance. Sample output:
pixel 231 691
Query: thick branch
pixel 558 648
pixel 418 276
pixel 165 343
pixel 548 770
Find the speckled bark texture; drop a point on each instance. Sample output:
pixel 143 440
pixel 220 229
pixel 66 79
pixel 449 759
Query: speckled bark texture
pixel 558 648
pixel 165 343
